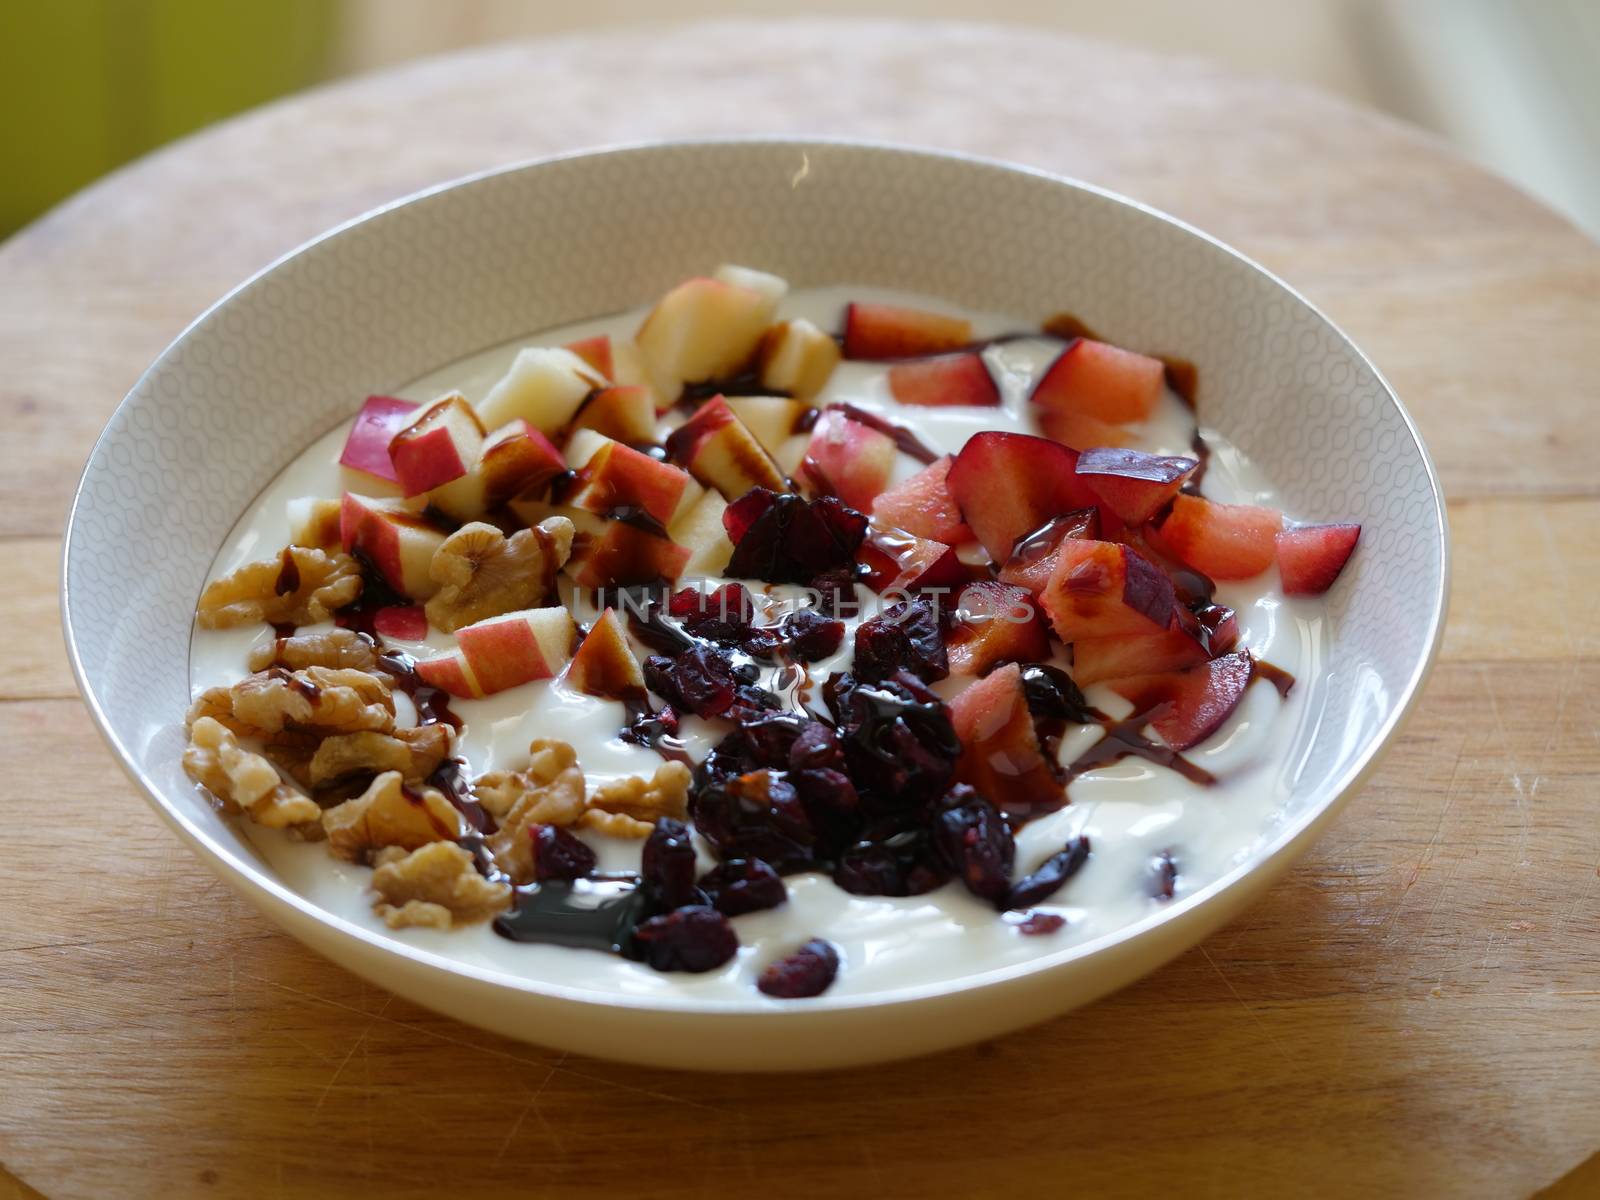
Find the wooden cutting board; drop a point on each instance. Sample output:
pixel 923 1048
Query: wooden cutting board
pixel 1414 1009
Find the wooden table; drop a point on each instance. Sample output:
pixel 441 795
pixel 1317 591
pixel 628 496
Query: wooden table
pixel 1415 1009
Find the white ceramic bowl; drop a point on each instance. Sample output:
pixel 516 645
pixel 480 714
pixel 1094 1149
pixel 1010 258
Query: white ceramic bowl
pixel 408 288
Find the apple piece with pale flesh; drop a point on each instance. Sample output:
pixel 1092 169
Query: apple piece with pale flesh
pixel 848 459
pixel 718 450
pixel 797 358
pixel 995 623
pixel 1000 753
pixel 516 647
pixel 627 414
pixel 700 529
pixel 615 477
pixel 314 521
pixel 395 539
pixel 514 459
pixel 886 331
pixel 596 351
pixel 440 445
pixel 605 665
pixel 544 387
pixel 944 380
pixel 449 672
pixel 702 330
pixel 1106 589
pixel 1101 381
pixel 782 425
pixel 364 464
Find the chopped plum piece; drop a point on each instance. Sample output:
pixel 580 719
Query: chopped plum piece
pixel 1224 541
pixel 948 379
pixel 1310 557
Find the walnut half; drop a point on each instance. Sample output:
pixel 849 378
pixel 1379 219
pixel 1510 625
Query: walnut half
pixel 341 649
pixel 436 886
pixel 321 699
pixel 549 791
pixel 390 814
pixel 243 780
pixel 484 573
pixel 302 586
pixel 631 807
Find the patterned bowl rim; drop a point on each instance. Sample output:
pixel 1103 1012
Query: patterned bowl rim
pixel 1269 858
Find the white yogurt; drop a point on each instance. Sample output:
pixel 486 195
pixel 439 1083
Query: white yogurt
pixel 1132 811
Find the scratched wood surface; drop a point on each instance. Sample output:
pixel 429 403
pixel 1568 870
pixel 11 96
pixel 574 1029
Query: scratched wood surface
pixel 1413 1010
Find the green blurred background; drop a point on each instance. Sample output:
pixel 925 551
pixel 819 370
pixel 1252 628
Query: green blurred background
pixel 86 85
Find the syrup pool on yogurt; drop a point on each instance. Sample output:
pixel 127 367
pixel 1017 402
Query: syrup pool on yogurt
pixel 1144 822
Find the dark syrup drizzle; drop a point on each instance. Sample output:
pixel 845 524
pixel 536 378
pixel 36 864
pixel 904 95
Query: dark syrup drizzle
pixel 288 580
pixel 904 439
pixel 585 915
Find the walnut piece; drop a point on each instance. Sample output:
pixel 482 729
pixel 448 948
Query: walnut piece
pixel 389 814
pixel 549 791
pixel 302 586
pixel 631 807
pixel 324 699
pixel 436 886
pixel 485 573
pixel 343 649
pixel 415 753
pixel 242 780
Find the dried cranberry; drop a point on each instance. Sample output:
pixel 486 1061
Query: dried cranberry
pixel 809 971
pixel 832 805
pixel 666 870
pixel 807 635
pixel 704 680
pixel 697 938
pixel 1051 874
pixel 815 746
pixel 722 615
pixel 1039 924
pixel 1052 695
pixel 743 885
pixel 906 635
pixel 1164 870
pixel 836 591
pixel 897 737
pixel 755 815
pixel 972 839
pixel 788 539
pixel 900 865
pixel 559 854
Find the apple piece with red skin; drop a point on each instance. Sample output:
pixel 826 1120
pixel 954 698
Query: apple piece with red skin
pixel 395 539
pixel 1034 558
pixel 1106 589
pixel 621 555
pixel 1000 753
pixel 314 521
pixel 888 331
pixel 596 351
pixel 796 358
pixel 615 477
pixel 848 459
pixel 1310 557
pixel 401 622
pixel 1095 660
pixel 544 387
pixel 604 664
pixel 1081 431
pixel 944 380
pixel 1131 483
pixel 365 464
pixel 627 414
pixel 897 561
pixel 1224 541
pixel 1009 484
pixel 515 458
pixel 924 506
pixel 449 672
pixel 995 623
pixel 1101 381
pixel 701 531
pixel 1187 707
pixel 718 450
pixel 701 330
pixel 440 445
pixel 517 647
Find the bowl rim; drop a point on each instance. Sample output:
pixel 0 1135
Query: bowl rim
pixel 240 869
